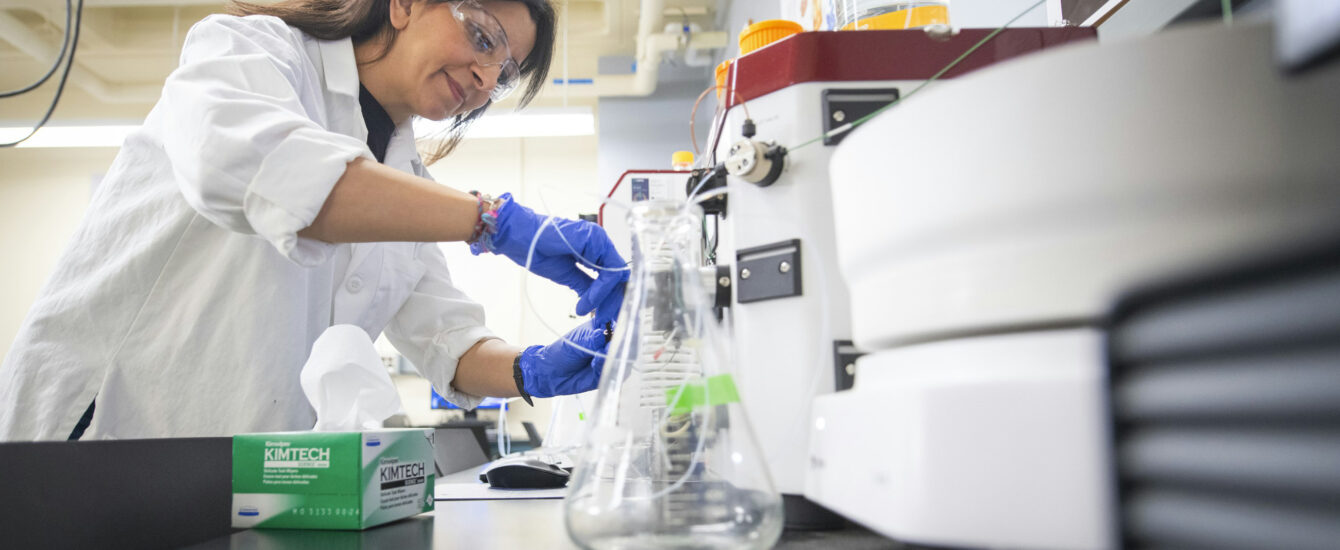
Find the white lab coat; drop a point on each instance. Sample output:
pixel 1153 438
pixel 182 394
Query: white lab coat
pixel 186 302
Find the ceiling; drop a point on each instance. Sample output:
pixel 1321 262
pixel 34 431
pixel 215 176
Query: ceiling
pixel 127 48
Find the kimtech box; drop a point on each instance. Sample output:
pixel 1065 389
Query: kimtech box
pixel 331 480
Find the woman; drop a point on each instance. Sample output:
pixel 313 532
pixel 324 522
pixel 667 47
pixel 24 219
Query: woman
pixel 211 257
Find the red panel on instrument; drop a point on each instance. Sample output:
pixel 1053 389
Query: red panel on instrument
pixel 882 55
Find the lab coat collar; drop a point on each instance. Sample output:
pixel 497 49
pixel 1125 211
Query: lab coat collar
pixel 339 66
pixel 340 71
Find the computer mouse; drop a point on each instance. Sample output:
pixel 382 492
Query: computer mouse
pixel 524 473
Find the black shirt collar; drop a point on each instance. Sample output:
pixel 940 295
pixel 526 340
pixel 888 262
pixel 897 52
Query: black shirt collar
pixel 379 123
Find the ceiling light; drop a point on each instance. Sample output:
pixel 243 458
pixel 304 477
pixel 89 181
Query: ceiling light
pixel 538 122
pixel 69 136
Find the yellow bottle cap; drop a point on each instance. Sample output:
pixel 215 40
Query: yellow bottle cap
pixel 762 33
pixel 682 157
pixel 723 69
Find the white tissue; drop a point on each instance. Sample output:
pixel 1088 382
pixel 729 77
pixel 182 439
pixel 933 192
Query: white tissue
pixel 346 383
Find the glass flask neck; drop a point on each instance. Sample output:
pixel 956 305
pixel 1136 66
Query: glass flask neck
pixel 665 234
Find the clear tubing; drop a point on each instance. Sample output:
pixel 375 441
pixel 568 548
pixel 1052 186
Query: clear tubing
pixel 689 200
pixel 530 257
pixel 525 294
pixel 678 374
pixel 701 161
pixel 504 446
pixel 696 457
pixel 566 242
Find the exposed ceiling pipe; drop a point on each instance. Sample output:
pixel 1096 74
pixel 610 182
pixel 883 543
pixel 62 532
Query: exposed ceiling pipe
pixel 649 21
pixel 651 43
pixel 643 81
pixel 13 30
pixel 88 35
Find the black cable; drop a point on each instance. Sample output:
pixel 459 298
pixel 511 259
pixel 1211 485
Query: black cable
pixel 60 87
pixel 721 126
pixel 716 236
pixel 64 45
pixel 702 242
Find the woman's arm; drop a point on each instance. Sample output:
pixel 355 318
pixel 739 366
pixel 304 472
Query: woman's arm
pixel 372 202
pixel 486 369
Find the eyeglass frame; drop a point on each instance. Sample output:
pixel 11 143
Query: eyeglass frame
pixel 500 89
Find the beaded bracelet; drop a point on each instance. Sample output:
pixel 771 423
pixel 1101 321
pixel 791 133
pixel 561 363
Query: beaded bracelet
pixel 487 226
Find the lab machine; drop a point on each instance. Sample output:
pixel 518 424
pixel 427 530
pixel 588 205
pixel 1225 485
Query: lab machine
pixel 787 105
pixel 980 413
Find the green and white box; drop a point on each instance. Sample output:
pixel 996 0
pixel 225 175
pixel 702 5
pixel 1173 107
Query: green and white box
pixel 331 480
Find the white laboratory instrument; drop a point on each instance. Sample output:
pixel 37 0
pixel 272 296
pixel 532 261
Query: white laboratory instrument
pixel 632 187
pixel 790 306
pixel 1027 197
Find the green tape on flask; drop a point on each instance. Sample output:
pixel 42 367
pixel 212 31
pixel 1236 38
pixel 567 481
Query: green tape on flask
pixel 718 390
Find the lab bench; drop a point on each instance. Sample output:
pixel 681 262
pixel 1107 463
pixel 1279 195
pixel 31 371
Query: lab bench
pixel 172 493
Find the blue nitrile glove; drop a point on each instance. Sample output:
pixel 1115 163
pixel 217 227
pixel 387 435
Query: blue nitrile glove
pixel 560 368
pixel 554 259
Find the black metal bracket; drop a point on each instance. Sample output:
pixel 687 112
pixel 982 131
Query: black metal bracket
pixel 844 364
pixel 768 272
pixel 704 180
pixel 846 105
pixel 723 293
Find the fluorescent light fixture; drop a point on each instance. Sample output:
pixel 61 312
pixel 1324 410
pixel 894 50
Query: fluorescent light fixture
pixel 69 136
pixel 538 122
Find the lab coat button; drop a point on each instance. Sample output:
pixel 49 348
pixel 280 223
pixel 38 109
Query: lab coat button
pixel 355 284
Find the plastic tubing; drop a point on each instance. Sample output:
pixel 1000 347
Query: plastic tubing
pixel 525 294
pixel 504 443
pixel 696 458
pixel 573 249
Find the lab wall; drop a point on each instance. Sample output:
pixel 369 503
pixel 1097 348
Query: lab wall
pixel 43 195
pixel 640 133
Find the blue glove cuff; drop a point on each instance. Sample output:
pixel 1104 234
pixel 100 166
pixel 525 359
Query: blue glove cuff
pixel 524 371
pixel 520 380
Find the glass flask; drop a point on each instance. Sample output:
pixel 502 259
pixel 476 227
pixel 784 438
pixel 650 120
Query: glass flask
pixel 670 460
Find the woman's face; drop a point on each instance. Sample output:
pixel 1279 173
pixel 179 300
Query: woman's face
pixel 434 62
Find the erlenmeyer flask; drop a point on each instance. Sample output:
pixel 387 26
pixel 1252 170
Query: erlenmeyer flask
pixel 670 460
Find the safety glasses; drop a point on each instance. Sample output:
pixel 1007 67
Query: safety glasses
pixel 489 42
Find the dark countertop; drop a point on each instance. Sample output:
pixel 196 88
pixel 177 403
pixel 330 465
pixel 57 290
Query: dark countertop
pixel 515 523
pixel 492 524
pixel 172 493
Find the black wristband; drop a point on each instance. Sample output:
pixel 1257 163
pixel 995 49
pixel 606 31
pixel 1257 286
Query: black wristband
pixel 520 380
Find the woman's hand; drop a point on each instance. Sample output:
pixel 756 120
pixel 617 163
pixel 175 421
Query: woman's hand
pixel 563 244
pixel 561 368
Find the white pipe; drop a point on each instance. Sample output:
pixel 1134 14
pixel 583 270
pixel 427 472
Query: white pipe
pixel 649 22
pixel 15 32
pixel 649 47
pixel 643 81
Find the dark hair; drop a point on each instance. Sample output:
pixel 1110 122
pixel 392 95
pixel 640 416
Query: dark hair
pixel 363 20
